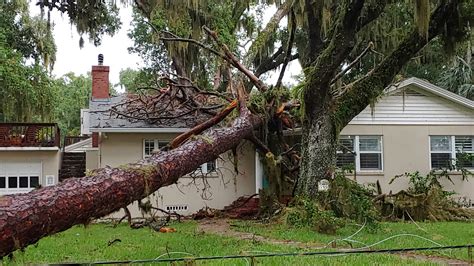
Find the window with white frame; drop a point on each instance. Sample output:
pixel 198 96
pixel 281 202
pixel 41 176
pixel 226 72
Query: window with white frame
pixel 447 151
pixel 365 153
pixel 346 155
pixel 14 182
pixel 151 146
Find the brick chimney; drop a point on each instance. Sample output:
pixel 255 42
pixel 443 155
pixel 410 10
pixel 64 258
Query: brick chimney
pixel 100 89
pixel 100 81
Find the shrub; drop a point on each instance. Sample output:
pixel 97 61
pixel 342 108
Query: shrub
pixel 307 213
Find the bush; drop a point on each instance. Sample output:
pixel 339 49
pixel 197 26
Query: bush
pixel 348 199
pixel 307 213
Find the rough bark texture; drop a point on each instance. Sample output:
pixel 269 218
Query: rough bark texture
pixel 25 218
pixel 319 143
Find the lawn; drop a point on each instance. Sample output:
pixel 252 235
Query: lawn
pixel 387 236
pixel 90 244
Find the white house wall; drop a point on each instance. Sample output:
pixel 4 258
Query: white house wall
pixel 416 107
pixel 121 148
pixel 406 149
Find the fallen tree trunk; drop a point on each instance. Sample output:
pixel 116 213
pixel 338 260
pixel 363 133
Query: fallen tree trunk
pixel 26 218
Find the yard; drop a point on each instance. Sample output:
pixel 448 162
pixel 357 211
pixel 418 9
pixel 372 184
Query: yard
pixel 221 237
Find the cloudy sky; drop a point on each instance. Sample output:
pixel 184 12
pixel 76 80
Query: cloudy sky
pixel 71 58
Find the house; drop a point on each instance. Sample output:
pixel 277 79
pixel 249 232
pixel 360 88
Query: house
pixel 29 156
pixel 414 126
pixel 119 141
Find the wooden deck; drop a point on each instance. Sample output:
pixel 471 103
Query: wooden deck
pixel 29 135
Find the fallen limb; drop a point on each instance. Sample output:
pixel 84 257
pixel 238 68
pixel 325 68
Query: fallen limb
pixel 203 126
pixel 26 218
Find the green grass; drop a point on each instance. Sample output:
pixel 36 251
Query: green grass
pixel 444 233
pixel 89 244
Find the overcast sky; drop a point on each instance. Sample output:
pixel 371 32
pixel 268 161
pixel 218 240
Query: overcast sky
pixel 71 58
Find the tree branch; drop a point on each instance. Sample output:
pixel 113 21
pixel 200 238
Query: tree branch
pixel 359 94
pixel 264 36
pixel 232 59
pixel 273 62
pixel 203 126
pixel 342 41
pixel 292 24
pixel 355 61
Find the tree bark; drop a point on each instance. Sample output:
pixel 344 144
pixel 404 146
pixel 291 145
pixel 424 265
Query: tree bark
pixel 25 218
pixel 319 141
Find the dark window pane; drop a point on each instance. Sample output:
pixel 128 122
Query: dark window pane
pixel 162 144
pixel 34 181
pixel 211 166
pixel 345 160
pixel 440 160
pixel 12 182
pixel 465 160
pixel 464 143
pixel 2 182
pixel 370 161
pixel 346 144
pixel 23 181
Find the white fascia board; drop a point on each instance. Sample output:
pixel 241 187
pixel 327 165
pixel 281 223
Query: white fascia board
pixel 29 149
pixel 140 130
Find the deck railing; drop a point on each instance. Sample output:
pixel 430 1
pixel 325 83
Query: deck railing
pixel 29 135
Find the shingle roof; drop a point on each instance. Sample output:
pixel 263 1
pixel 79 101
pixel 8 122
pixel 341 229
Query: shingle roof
pixel 101 117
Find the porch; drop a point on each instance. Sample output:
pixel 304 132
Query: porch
pixel 39 135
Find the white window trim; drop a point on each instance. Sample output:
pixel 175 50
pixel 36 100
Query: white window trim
pixel 155 144
pixel 357 154
pixel 452 151
pixel 357 150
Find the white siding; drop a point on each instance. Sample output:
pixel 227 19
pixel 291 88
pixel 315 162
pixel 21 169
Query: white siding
pixel 415 107
pixel 85 118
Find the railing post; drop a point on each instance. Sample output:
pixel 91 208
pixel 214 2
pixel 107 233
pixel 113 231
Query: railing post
pixel 58 137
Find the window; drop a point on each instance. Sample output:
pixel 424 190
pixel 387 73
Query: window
pixel 152 145
pixel 12 182
pixel 23 182
pixel 206 168
pixel 34 181
pixel 464 146
pixel 447 151
pixel 19 181
pixel 370 153
pixel 345 153
pixel 362 152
